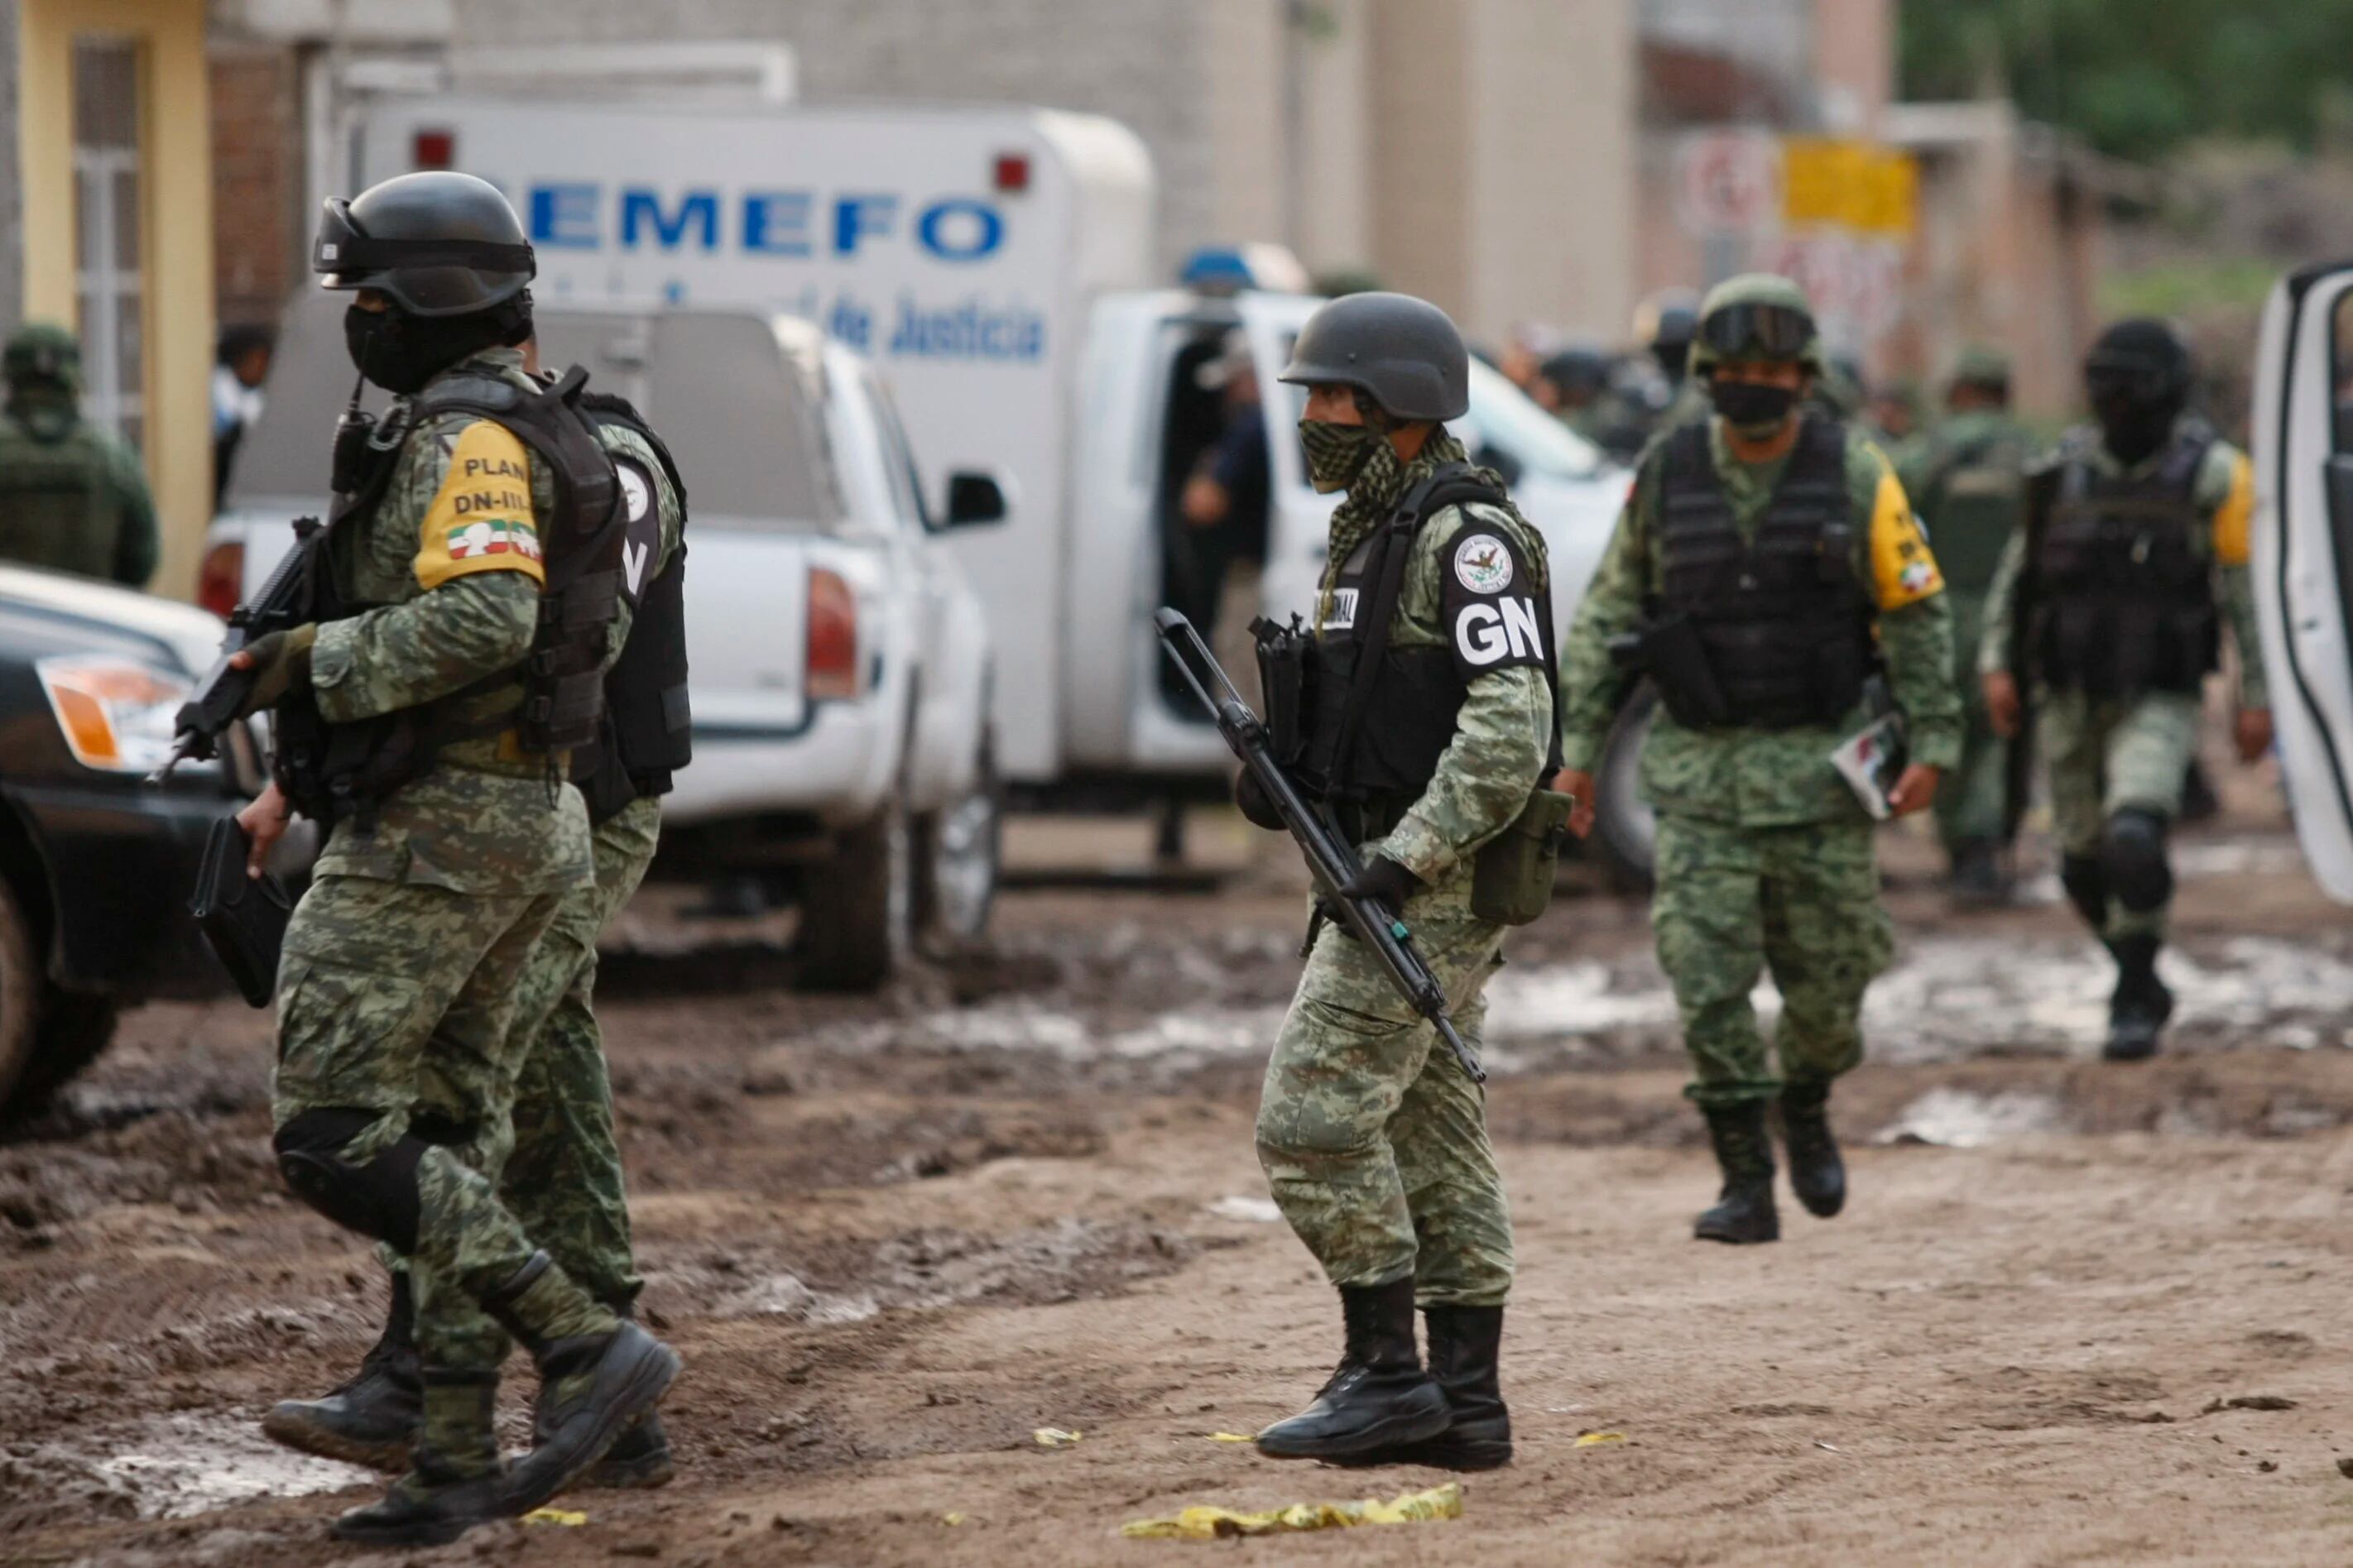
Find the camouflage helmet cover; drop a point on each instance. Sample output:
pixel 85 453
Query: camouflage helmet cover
pixel 1756 290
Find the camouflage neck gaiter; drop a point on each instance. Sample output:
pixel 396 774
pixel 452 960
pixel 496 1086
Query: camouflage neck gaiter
pixel 1376 488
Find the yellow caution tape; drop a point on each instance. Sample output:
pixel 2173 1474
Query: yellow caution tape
pixel 1595 1439
pixel 563 1516
pixel 1054 1437
pixel 1202 1523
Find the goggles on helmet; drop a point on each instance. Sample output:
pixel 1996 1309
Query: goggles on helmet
pixel 1779 332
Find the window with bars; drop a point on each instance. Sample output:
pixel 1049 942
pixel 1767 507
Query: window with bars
pixel 109 278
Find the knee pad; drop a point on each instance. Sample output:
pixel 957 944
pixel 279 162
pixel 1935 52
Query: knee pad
pixel 377 1198
pixel 2132 854
pixel 2086 882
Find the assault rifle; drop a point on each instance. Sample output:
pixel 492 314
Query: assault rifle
pixel 2025 617
pixel 1329 857
pixel 213 707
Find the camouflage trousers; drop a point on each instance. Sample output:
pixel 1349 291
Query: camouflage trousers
pixel 2106 755
pixel 1969 802
pixel 1800 901
pixel 547 1134
pixel 397 998
pixel 1372 1136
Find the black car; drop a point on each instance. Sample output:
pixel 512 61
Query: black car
pixel 97 863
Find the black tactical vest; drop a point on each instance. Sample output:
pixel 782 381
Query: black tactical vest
pixel 2127 601
pixel 1379 718
pixel 329 770
pixel 1784 624
pixel 647 736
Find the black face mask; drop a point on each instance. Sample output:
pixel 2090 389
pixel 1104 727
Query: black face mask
pixel 401 353
pixel 1752 408
pixel 2133 429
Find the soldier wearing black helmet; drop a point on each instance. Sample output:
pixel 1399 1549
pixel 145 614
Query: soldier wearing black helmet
pixel 1766 575
pixel 1436 592
pixel 466 595
pixel 2134 553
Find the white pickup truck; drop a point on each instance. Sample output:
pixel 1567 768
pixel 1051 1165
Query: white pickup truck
pixel 996 262
pixel 840 664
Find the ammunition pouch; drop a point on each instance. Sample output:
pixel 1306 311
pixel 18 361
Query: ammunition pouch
pixel 1668 649
pixel 1287 668
pixel 1512 874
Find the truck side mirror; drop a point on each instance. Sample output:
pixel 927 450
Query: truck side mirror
pixel 974 497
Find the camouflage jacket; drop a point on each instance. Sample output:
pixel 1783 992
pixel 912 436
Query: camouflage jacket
pixel 1752 777
pixel 2224 491
pixel 1502 729
pixel 72 497
pixel 449 559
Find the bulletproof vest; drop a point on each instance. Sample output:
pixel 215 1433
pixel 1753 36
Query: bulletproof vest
pixel 2128 600
pixel 58 504
pixel 647 732
pixel 329 770
pixel 1378 717
pixel 1971 502
pixel 1784 625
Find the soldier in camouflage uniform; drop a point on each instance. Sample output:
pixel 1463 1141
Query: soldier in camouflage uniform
pixel 398 983
pixel 551 1134
pixel 71 496
pixel 1770 564
pixel 2135 551
pixel 1373 1138
pixel 1967 476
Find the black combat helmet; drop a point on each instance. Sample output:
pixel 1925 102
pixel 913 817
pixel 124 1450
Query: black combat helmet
pixel 1402 352
pixel 2139 360
pixel 438 242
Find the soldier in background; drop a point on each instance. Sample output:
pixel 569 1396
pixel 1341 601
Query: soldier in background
pixel 71 496
pixel 1967 478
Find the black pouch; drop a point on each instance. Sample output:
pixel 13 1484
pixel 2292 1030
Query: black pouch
pixel 243 918
pixel 1286 674
pixel 1677 660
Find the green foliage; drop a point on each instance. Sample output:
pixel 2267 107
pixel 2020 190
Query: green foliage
pixel 2178 289
pixel 2137 77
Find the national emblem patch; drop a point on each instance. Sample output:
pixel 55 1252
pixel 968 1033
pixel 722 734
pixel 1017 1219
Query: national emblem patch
pixel 1483 565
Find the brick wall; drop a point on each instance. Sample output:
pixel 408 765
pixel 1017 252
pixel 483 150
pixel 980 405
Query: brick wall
pixel 258 244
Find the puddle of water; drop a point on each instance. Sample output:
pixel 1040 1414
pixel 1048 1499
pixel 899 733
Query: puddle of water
pixel 1256 1211
pixel 177 1467
pixel 785 1296
pixel 1962 1119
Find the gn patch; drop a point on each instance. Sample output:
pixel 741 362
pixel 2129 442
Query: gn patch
pixel 1488 603
pixel 641 531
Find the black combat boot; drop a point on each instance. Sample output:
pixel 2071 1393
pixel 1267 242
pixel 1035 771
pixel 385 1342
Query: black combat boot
pixel 1817 1174
pixel 639 1456
pixel 593 1387
pixel 454 1482
pixel 1979 880
pixel 1744 1211
pixel 1463 1341
pixel 1379 1396
pixel 2142 1004
pixel 372 1418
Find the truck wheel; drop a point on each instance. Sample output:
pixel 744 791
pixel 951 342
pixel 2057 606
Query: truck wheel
pixel 74 1032
pixel 1625 830
pixel 856 916
pixel 958 849
pixel 24 995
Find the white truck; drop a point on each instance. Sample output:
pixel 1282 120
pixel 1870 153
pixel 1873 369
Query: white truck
pixel 840 663
pixel 995 264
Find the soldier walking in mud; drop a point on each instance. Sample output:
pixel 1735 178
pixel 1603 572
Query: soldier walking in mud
pixel 2109 606
pixel 1767 574
pixel 1373 1141
pixel 461 604
pixel 549 1136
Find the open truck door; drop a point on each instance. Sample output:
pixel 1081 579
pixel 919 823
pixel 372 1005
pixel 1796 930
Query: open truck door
pixel 2303 553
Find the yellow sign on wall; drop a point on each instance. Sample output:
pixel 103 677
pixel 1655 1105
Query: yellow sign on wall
pixel 1857 185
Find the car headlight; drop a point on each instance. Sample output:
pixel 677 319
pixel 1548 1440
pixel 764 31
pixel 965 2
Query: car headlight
pixel 115 714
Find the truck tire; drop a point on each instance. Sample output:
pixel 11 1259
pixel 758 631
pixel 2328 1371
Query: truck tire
pixel 24 1002
pixel 75 1031
pixel 856 913
pixel 958 851
pixel 1625 831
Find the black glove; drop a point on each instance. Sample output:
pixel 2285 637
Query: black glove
pixel 1384 879
pixel 1254 801
pixel 280 663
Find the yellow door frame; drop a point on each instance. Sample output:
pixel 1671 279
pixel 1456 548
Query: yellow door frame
pixel 176 231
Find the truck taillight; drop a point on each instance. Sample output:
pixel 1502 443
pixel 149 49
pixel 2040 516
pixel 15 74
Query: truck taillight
pixel 832 668
pixel 220 583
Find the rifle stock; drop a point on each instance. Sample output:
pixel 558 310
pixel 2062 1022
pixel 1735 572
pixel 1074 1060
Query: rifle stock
pixel 1331 858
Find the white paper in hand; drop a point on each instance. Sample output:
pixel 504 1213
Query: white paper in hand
pixel 1871 762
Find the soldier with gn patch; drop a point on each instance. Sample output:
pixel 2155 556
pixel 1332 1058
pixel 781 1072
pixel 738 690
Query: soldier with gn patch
pixel 1765 574
pixel 1967 475
pixel 2135 548
pixel 550 1139
pixel 464 595
pixel 71 496
pixel 1427 736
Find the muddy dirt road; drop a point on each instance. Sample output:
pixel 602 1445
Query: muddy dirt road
pixel 2074 1313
